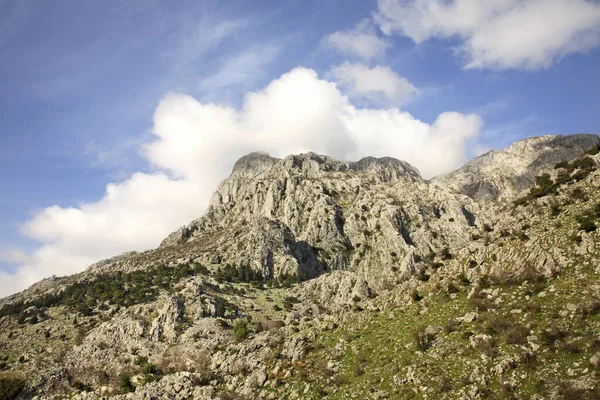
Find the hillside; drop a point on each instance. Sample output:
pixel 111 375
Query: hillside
pixel 310 278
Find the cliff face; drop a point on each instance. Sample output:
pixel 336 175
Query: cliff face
pixel 308 277
pixel 503 174
pixel 308 214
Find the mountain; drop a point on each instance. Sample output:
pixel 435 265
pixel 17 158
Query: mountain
pixel 503 174
pixel 309 277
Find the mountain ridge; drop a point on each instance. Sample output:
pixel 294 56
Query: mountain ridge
pixel 309 277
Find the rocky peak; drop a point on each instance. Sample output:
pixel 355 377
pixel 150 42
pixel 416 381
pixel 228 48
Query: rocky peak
pixel 253 165
pixel 388 168
pixel 503 174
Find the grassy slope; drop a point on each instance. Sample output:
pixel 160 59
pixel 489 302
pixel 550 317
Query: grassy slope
pixel 543 331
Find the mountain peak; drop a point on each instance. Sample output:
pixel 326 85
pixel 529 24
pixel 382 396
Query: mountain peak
pixel 253 164
pixel 503 174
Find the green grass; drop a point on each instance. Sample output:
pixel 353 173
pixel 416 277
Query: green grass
pixel 378 347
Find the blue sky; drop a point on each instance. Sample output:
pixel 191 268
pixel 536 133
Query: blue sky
pixel 92 90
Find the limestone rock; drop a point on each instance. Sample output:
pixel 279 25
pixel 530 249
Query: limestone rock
pixel 503 174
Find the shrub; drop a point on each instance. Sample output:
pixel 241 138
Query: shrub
pixel 593 151
pixel 452 288
pixel 422 339
pixel 472 264
pixel 10 387
pixel 523 236
pixel 567 391
pixel 423 275
pixel 586 222
pixel 445 384
pixel 446 255
pixel 576 238
pixel 149 369
pixel 82 387
pixel 241 330
pixel 416 296
pixel 579 194
pixel 463 279
pixel 140 360
pixel 551 335
pixel 220 307
pixel 125 383
pixel 517 335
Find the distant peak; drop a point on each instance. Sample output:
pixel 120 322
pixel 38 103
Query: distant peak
pixel 388 163
pixel 254 164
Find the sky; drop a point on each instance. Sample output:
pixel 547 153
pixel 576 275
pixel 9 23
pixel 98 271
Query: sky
pixel 118 119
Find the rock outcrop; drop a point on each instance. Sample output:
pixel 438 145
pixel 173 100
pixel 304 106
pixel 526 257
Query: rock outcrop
pixel 503 174
pixel 308 214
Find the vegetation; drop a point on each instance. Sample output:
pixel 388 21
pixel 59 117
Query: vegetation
pixel 241 330
pixel 125 383
pixel 220 307
pixel 422 339
pixel 573 171
pixel 11 387
pixel 120 289
pixel 243 273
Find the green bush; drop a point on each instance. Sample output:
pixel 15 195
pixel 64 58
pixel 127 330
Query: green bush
pixel 579 194
pixel 241 330
pixel 121 289
pixel 422 339
pixel 586 222
pixel 125 383
pixel 423 276
pixel 416 296
pixel 220 307
pixel 149 369
pixel 11 387
pixel 446 255
pixel 452 288
pixel 140 360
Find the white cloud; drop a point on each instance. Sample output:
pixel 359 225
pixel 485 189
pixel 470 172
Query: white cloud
pixel 361 42
pixel 373 83
pixel 198 143
pixel 498 34
pixel 13 256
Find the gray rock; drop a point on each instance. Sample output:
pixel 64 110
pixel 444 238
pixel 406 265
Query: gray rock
pixel 503 174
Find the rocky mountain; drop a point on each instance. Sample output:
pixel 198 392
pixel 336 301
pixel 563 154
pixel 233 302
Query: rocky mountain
pixel 504 174
pixel 310 278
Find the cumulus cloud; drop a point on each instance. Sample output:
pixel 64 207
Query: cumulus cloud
pixel 498 34
pixel 377 83
pixel 362 41
pixel 195 146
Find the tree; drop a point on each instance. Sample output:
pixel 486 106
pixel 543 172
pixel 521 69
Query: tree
pixel 125 383
pixel 241 330
pixel 220 307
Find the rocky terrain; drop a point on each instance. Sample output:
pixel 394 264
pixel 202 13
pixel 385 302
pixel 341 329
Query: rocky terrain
pixel 503 174
pixel 310 278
